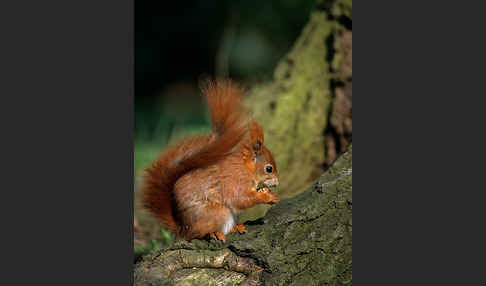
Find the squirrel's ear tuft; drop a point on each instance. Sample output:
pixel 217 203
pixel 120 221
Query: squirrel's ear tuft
pixel 257 146
pixel 256 136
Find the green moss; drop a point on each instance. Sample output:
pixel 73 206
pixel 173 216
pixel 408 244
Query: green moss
pixel 293 108
pixel 343 8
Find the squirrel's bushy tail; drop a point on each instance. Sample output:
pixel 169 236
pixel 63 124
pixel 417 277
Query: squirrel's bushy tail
pixel 228 121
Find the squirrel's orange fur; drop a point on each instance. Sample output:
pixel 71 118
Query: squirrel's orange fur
pixel 200 184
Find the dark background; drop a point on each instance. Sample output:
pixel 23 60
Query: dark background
pixel 175 45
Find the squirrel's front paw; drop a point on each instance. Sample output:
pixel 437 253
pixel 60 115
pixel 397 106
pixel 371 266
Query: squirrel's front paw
pixel 271 198
pixel 273 201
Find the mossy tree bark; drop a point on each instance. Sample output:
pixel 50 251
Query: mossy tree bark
pixel 305 240
pixel 306 109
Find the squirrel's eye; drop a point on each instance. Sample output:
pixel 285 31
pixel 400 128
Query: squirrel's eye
pixel 269 169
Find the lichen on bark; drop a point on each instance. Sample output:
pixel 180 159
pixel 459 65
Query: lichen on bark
pixel 291 108
pixel 306 109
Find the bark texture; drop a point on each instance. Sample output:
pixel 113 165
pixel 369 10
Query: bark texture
pixel 306 109
pixel 305 240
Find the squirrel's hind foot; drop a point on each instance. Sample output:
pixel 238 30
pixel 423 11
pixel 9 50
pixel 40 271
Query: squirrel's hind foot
pixel 217 236
pixel 239 228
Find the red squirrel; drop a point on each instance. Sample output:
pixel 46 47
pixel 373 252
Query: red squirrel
pixel 198 186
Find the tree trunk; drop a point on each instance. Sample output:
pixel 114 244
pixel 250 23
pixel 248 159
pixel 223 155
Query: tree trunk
pixel 305 240
pixel 306 109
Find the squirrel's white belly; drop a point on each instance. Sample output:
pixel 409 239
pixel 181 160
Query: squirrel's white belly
pixel 228 224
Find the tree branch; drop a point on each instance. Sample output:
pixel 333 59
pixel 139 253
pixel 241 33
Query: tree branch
pixel 306 240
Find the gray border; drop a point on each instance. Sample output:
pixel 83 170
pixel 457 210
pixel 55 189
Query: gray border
pixel 67 129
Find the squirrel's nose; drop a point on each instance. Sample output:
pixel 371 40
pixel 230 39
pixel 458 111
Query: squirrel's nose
pixel 273 182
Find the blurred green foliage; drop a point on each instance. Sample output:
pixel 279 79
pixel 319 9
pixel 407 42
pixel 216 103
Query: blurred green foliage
pixel 176 44
pixel 149 143
pixel 154 244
